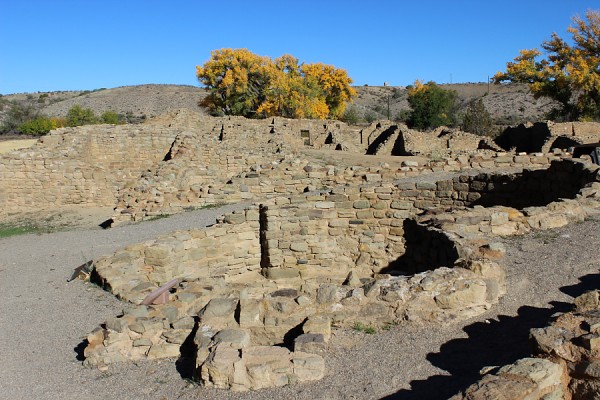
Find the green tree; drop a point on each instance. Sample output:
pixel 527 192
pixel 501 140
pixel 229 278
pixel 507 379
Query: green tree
pixel 477 119
pixel 37 126
pixel 431 106
pixel 370 116
pixel 77 116
pixel 570 74
pixel 351 116
pixel 18 114
pixel 402 116
pixel 111 117
pixel 243 83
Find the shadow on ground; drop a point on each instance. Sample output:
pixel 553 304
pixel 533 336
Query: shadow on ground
pixel 493 343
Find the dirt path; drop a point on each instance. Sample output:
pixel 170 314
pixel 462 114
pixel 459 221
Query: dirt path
pixel 43 319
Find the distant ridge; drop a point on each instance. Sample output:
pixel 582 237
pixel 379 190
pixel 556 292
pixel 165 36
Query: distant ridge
pixel 508 104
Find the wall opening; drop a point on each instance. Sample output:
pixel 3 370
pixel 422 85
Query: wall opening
pixel 563 143
pixel 399 148
pixel 426 249
pixel 265 262
pixel 381 139
pixel 529 139
pixel 531 188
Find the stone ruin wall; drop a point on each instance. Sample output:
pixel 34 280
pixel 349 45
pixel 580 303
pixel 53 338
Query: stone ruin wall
pixel 289 270
pixel 273 281
pixel 388 138
pixel 183 183
pixel 92 165
pixel 546 136
pixel 318 229
pixel 84 166
pixel 239 307
pixel 189 159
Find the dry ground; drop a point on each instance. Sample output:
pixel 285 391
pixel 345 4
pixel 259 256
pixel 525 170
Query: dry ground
pixel 10 145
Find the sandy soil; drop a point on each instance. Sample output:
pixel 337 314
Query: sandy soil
pixel 43 320
pixel 10 145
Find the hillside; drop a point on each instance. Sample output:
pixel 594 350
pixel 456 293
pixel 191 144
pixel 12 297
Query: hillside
pixel 508 104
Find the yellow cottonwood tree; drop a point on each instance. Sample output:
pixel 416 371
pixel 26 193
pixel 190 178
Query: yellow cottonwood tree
pixel 570 74
pixel 335 84
pixel 242 83
pixel 237 80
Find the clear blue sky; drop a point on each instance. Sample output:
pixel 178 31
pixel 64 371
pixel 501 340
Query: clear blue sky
pixel 88 44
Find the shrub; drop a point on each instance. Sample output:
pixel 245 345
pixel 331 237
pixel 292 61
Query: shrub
pixel 131 118
pixel 38 126
pixel 111 117
pixel 41 125
pixel 77 116
pixel 18 114
pixel 402 116
pixel 351 116
pixel 58 122
pixel 431 106
pixel 477 119
pixel 370 116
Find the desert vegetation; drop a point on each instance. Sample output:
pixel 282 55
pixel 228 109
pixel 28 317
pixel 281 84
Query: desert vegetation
pixel 477 119
pixel 243 83
pixel 28 121
pixel 431 106
pixel 569 74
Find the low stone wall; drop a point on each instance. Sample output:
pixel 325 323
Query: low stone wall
pixel 240 304
pixel 183 182
pixel 85 165
pixel 228 252
pixel 288 271
pixel 563 179
pixel 364 232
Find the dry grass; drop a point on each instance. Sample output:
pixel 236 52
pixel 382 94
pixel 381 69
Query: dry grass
pixel 10 145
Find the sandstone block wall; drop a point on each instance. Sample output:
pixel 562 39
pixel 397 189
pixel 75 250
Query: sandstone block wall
pixel 388 138
pixel 563 179
pixel 184 182
pixel 228 252
pixel 276 284
pixel 84 165
pixel 364 232
pixel 93 165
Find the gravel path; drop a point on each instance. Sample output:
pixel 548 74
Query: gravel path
pixel 43 319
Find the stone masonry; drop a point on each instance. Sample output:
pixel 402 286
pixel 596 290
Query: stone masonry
pixel 323 245
pixel 290 269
